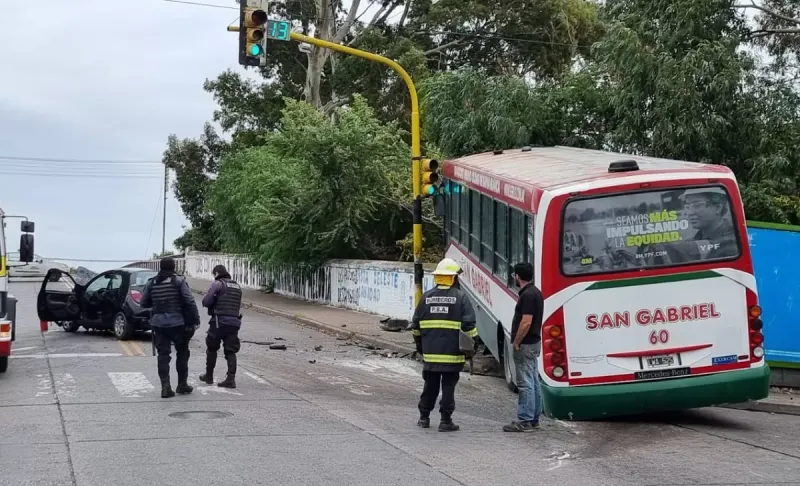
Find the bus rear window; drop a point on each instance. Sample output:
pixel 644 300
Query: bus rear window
pixel 648 229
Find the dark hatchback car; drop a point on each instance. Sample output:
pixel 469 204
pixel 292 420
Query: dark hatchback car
pixel 109 301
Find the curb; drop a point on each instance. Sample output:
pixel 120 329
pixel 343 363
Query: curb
pixel 326 328
pixel 766 407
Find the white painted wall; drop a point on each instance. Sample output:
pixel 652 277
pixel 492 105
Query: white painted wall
pixel 376 287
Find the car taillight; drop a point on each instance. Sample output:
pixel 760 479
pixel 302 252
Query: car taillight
pixel 5 331
pixel 136 296
pixel 755 325
pixel 554 347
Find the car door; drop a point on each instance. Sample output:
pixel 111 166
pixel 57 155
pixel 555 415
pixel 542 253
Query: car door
pixel 94 298
pixel 57 299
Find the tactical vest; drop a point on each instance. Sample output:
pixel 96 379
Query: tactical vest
pixel 439 327
pixel 229 302
pixel 166 297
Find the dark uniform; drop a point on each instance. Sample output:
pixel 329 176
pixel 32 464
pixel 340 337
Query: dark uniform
pixel 440 315
pixel 224 302
pixel 172 305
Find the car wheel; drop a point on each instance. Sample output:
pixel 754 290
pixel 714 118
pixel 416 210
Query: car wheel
pixel 71 326
pixel 509 375
pixel 3 364
pixel 123 327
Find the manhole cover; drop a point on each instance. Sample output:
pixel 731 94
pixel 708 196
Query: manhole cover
pixel 200 415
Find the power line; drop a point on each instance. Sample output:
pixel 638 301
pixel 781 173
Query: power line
pixel 78 161
pixel 84 260
pixel 430 32
pixel 82 176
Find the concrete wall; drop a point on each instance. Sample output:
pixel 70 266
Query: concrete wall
pixel 382 288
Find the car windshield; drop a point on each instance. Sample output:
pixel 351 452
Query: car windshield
pixel 139 279
pixel 648 229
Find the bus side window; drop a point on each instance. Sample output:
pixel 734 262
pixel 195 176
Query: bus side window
pixel 464 217
pixel 453 200
pixel 487 231
pixel 519 239
pixel 501 241
pixel 475 227
pixel 531 231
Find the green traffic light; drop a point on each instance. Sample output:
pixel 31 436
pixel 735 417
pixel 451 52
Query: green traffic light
pixel 430 190
pixel 256 50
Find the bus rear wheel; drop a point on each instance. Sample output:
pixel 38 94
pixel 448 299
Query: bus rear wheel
pixel 3 364
pixel 508 355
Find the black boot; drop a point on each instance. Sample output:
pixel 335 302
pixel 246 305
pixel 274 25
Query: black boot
pixel 207 378
pixel 447 425
pixel 229 382
pixel 424 422
pixel 183 388
pixel 166 389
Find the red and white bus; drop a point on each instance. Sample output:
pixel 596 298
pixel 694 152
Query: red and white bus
pixel 650 302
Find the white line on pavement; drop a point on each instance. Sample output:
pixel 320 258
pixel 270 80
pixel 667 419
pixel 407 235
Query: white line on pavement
pixel 65 385
pixel 256 378
pixel 17 350
pixel 131 384
pixel 68 355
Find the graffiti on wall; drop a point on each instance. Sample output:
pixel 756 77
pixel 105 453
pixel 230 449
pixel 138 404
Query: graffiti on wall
pixel 378 291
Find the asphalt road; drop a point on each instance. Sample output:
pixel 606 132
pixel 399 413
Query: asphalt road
pixel 85 409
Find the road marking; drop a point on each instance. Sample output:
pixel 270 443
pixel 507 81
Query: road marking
pixel 17 350
pixel 256 378
pixel 131 384
pixel 205 389
pixel 44 388
pixel 68 355
pixel 65 385
pixel 131 348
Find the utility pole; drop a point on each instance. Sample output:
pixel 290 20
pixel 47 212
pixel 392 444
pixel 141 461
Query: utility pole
pixel 164 218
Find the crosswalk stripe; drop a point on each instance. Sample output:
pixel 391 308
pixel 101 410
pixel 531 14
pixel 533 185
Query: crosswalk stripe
pixel 131 384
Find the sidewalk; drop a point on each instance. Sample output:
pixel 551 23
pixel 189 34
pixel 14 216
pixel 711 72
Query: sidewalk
pixel 356 326
pixel 780 402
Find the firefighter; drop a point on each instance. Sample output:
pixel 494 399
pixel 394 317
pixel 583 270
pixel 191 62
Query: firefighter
pixel 441 314
pixel 224 302
pixel 174 311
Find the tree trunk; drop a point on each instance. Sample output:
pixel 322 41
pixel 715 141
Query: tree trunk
pixel 316 63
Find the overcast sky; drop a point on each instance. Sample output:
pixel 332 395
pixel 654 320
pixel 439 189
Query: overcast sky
pixel 100 79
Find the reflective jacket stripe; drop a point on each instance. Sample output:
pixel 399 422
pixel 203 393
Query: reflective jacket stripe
pixel 472 332
pixel 415 332
pixel 444 358
pixel 437 324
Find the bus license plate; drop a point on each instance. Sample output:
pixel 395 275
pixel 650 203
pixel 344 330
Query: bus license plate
pixel 662 361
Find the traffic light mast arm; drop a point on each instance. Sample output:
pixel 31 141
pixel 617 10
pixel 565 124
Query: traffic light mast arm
pixel 416 160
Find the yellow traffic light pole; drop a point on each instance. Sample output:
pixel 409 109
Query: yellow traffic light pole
pixel 416 158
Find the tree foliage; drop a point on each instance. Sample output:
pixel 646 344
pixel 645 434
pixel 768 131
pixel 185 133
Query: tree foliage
pixel 318 188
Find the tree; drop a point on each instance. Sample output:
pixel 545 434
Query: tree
pixel 194 161
pixel 318 188
pixel 777 28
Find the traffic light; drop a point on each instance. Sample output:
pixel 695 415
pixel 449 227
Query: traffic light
pixel 429 177
pixel 252 38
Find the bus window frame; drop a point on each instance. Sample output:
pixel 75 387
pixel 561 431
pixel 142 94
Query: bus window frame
pixel 501 267
pixel 487 247
pixel 563 212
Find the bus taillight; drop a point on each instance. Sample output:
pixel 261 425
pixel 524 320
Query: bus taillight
pixel 554 347
pixel 755 325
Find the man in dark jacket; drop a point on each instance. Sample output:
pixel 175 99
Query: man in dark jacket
pixel 442 313
pixel 174 313
pixel 224 302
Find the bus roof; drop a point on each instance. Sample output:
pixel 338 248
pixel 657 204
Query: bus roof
pixel 520 176
pixel 547 168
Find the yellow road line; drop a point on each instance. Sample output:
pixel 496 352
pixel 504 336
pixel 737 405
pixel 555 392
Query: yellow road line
pixel 125 349
pixel 137 348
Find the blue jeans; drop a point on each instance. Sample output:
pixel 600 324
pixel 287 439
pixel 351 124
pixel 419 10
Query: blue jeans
pixel 530 390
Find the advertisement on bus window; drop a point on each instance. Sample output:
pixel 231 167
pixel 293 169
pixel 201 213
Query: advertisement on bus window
pixel 648 229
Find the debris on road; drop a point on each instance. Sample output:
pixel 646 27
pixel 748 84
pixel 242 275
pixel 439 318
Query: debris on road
pixel 394 325
pixel 260 343
pixel 312 361
pixel 317 348
pixel 277 346
pixel 279 339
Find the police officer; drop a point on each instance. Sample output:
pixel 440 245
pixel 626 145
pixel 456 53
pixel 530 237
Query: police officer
pixel 224 301
pixel 441 314
pixel 174 317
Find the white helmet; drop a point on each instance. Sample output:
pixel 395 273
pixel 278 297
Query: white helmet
pixel 448 266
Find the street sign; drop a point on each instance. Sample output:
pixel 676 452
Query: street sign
pixel 278 30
